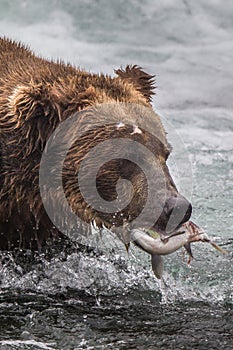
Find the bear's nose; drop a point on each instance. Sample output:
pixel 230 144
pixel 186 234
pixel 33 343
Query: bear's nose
pixel 177 210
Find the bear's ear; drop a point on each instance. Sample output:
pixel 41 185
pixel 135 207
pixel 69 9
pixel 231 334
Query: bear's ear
pixel 143 81
pixel 32 100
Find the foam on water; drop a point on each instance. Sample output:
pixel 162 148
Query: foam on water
pixel 25 344
pixel 113 271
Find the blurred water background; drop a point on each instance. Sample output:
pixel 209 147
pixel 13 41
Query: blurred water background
pixel 112 300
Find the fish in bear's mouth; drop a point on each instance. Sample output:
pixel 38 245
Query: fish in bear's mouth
pixel 157 243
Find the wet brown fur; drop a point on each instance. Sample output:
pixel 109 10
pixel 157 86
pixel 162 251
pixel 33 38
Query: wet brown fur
pixel 35 96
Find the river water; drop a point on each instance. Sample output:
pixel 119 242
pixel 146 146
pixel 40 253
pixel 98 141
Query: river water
pixel 109 299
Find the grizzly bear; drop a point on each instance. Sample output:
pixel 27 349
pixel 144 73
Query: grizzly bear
pixel 38 96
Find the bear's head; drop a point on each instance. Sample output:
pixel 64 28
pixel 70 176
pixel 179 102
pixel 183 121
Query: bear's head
pixel 92 150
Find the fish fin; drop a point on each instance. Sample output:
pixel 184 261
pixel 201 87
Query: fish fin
pixel 189 251
pixel 157 265
pixel 216 246
pixel 127 245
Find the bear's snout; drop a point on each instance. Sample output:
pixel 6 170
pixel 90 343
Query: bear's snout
pixel 177 210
